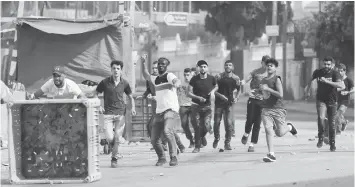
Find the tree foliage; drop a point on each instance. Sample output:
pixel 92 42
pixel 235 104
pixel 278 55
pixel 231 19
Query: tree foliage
pixel 239 22
pixel 331 31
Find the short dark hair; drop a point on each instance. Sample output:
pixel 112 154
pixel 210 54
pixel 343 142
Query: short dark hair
pixel 342 66
pixel 265 58
pixel 272 61
pixel 162 59
pixel 328 58
pixel 155 62
pixel 193 69
pixel 187 70
pixel 228 61
pixel 117 62
pixel 202 62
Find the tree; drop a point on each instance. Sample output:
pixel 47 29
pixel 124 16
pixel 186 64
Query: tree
pixel 331 31
pixel 239 22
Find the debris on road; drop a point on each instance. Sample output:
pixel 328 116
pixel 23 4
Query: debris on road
pixel 221 150
pixel 311 139
pixel 161 174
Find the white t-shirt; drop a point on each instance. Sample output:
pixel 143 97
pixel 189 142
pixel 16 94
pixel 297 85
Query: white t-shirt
pixel 70 90
pixel 166 99
pixel 6 94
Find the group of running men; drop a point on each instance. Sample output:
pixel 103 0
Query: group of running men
pixel 176 102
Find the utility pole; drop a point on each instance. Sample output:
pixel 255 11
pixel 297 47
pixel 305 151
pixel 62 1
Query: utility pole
pixel 284 44
pixel 150 10
pixel 132 8
pixel 274 22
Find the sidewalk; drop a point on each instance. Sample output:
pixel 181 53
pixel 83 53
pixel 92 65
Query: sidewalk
pixel 298 162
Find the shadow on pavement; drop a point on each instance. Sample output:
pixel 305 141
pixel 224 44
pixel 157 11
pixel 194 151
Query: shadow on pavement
pixel 347 181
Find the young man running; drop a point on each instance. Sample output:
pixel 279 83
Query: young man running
pixel 343 99
pixel 253 107
pixel 185 106
pixel 199 90
pixel 114 111
pixel 328 81
pixel 167 111
pixel 226 95
pixel 273 112
pixel 151 94
pixel 343 102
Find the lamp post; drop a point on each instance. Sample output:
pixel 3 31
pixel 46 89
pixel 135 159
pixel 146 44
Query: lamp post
pixel 284 44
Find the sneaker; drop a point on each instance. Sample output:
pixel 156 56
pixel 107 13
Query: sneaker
pixel 215 143
pixel 114 163
pixel 204 141
pixel 196 150
pixel 320 142
pixel 245 139
pixel 344 125
pixel 326 140
pixel 161 161
pixel 173 161
pixel 332 147
pixel 251 149
pixel 227 146
pixel 269 158
pixel 293 131
pixel 182 148
pixel 192 144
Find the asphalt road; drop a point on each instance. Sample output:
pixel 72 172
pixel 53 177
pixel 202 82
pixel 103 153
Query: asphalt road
pixel 299 161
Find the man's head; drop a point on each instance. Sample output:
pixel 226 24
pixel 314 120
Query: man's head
pixel 263 60
pixel 187 74
pixel 203 66
pixel 342 69
pixel 163 64
pixel 271 65
pixel 155 68
pixel 228 66
pixel 116 68
pixel 328 63
pixel 58 76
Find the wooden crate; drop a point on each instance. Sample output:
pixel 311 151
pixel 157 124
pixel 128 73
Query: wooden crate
pixel 54 141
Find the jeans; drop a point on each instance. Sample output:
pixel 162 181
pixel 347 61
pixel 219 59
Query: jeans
pixel 201 121
pixel 339 120
pixel 228 122
pixel 150 122
pixel 165 123
pixel 324 109
pixel 116 122
pixel 253 119
pixel 185 114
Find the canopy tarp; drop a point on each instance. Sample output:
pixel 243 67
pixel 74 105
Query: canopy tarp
pixel 84 48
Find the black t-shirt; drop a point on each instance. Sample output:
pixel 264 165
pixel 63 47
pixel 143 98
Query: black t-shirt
pixel 344 99
pixel 325 92
pixel 226 86
pixel 114 103
pixel 202 88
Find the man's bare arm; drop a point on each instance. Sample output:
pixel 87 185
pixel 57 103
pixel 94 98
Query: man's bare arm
pixel 132 103
pixel 145 72
pixel 338 84
pixel 82 96
pixel 190 93
pixel 38 93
